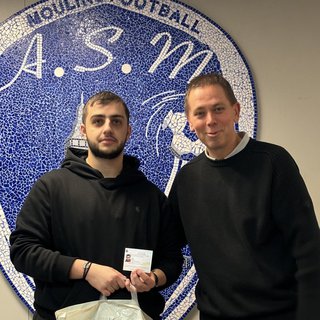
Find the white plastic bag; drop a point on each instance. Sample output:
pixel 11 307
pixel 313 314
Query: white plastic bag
pixel 104 309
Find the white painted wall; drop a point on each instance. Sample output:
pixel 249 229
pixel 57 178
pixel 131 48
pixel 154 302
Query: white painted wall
pixel 280 41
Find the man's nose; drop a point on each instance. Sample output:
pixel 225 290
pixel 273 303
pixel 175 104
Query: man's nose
pixel 210 119
pixel 107 126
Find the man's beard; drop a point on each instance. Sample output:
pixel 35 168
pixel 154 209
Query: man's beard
pixel 112 154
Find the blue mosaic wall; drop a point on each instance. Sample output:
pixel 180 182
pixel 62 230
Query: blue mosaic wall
pixel 56 54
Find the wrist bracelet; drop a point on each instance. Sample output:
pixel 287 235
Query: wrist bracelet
pixel 156 279
pixel 86 268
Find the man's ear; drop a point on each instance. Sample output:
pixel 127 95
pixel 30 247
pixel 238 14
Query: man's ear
pixel 83 130
pixel 129 132
pixel 236 112
pixel 191 128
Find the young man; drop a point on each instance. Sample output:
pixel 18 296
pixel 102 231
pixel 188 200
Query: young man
pixel 247 217
pixel 77 221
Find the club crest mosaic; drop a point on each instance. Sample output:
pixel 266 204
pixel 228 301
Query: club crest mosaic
pixel 55 54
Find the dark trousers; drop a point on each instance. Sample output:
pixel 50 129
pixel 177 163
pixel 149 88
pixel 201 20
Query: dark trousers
pixel 278 316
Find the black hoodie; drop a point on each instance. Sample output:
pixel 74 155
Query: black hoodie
pixel 74 212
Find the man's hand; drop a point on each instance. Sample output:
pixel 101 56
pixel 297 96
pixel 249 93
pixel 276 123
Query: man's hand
pixel 141 281
pixel 105 279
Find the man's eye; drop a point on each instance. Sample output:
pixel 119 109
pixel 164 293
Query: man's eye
pixel 199 113
pixel 97 122
pixel 218 109
pixel 116 121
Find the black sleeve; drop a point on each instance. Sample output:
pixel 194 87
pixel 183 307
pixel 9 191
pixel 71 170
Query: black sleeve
pixel 31 242
pixel 294 214
pixel 168 255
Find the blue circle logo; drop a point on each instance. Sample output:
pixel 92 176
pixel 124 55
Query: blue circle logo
pixel 55 54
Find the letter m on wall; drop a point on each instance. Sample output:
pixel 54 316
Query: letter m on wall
pixel 184 60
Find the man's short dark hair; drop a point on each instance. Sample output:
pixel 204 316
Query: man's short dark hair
pixel 104 98
pixel 207 80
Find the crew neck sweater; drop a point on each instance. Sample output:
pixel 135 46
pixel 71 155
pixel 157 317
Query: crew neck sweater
pixel 253 235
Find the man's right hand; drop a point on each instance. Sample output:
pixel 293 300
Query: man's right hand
pixel 105 279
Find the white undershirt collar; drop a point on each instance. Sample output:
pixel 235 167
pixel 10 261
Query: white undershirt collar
pixel 241 145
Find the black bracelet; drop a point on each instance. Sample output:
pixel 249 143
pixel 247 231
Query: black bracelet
pixel 156 279
pixel 86 269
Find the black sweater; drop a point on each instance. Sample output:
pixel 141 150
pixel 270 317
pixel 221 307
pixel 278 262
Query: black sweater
pixel 253 235
pixel 74 212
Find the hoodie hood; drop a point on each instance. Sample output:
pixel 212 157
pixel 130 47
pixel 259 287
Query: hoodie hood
pixel 75 161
